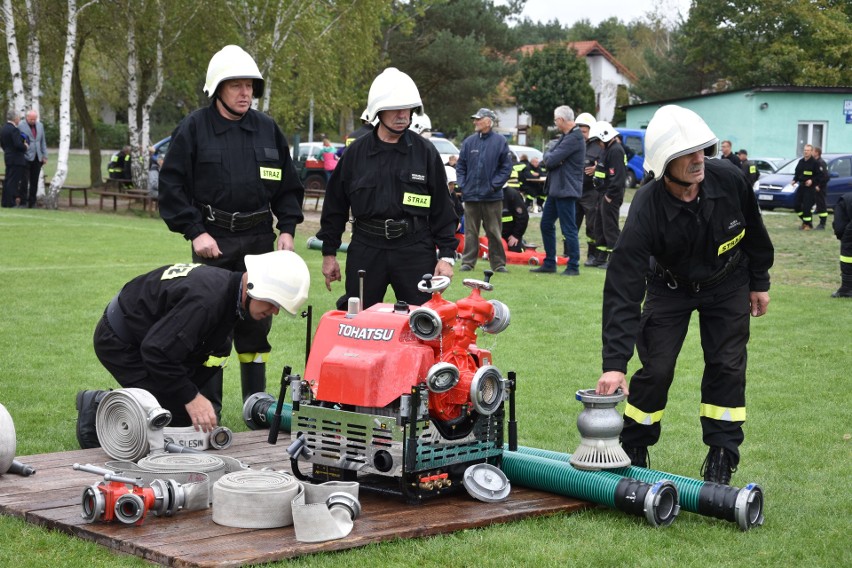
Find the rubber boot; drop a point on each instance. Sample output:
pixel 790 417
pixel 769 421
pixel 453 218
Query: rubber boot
pixel 252 378
pixel 638 455
pixel 591 256
pixel 603 260
pixel 212 391
pixel 845 290
pixel 718 466
pixel 87 410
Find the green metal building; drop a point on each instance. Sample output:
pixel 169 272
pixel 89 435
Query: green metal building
pixel 769 121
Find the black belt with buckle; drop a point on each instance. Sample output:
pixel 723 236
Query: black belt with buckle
pixel 675 281
pixel 234 222
pixel 386 228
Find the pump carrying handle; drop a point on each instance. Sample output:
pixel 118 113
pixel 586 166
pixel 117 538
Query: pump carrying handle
pixel 276 420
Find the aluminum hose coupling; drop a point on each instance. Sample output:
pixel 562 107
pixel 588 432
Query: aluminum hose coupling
pixel 124 499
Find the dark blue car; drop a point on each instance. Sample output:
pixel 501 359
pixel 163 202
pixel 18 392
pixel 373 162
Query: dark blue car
pixel 775 190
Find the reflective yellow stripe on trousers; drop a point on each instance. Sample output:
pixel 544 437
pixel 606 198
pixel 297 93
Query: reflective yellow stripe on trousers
pixel 737 414
pixel 253 357
pixel 213 361
pixel 641 416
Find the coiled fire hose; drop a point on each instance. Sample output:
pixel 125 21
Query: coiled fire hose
pixel 742 506
pixel 272 499
pixel 9 445
pixel 219 438
pixel 130 423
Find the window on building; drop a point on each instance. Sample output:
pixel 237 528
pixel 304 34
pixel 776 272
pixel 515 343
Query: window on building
pixel 810 133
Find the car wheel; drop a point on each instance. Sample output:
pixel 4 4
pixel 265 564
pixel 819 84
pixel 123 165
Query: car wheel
pixel 315 182
pixel 631 179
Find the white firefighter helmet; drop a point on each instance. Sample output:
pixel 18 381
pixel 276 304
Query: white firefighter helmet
pixel 365 116
pixel 392 90
pixel 280 278
pixel 585 119
pixel 673 132
pixel 232 62
pixel 603 131
pixel 420 123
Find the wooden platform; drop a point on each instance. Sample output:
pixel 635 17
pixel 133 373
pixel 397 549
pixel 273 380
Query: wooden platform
pixel 51 498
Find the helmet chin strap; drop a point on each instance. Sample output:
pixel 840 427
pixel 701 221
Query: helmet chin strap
pixel 673 179
pixel 397 132
pixel 227 108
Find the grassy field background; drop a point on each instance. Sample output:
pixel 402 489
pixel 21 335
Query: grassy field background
pixel 58 270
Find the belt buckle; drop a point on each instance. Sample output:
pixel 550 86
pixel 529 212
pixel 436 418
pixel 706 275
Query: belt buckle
pixel 388 229
pixel 210 216
pixel 233 220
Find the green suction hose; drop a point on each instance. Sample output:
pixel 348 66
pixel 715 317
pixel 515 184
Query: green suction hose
pixel 742 506
pixel 316 244
pixel 259 412
pixel 657 502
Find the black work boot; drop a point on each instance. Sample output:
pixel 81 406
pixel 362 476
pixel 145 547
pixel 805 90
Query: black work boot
pixel 87 411
pixel 252 378
pixel 842 292
pixel 591 256
pixel 718 466
pixel 638 455
pixel 603 260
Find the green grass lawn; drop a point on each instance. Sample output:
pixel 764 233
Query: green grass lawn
pixel 60 268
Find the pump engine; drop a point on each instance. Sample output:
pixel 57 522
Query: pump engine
pixel 399 397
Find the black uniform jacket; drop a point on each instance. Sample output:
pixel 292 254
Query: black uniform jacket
pixel 179 316
pixel 237 166
pixel 379 181
pixel 692 245
pixel 515 214
pixel 13 145
pixel 594 154
pixel 806 169
pixel 614 169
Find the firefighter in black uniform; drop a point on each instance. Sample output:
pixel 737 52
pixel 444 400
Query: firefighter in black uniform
pixel 119 166
pixel 515 218
pixel 366 128
pixel 748 167
pixel 610 178
pixel 169 331
pixel 587 205
pixel 820 187
pixel 805 178
pixel 395 185
pixel 842 226
pixel 227 172
pixel 695 231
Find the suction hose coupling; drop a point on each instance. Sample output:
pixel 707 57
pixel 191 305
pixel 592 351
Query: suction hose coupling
pixel 259 412
pixel 657 502
pixel 742 506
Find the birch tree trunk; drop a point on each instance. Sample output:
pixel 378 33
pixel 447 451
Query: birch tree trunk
pixel 18 101
pixel 52 197
pixel 133 101
pixel 33 56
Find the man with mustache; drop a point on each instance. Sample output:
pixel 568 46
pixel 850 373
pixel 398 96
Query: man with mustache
pixel 226 173
pixel 697 225
pixel 394 184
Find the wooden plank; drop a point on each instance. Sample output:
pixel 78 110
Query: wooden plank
pixel 51 498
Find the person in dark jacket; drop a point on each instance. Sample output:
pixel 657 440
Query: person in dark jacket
pixel 394 184
pixel 169 331
pixel 610 178
pixel 820 189
pixel 728 154
pixel 587 205
pixel 804 178
pixel 483 168
pixel 515 219
pixel 698 227
pixel 14 152
pixel 564 162
pixel 842 226
pixel 227 173
pixel 748 167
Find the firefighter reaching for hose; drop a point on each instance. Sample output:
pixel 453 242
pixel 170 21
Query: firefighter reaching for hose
pixel 169 331
pixel 697 224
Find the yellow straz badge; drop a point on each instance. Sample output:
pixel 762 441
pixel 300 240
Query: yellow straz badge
pixel 270 173
pixel 177 271
pixel 416 200
pixel 725 247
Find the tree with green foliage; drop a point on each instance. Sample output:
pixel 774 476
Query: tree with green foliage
pixel 550 77
pixel 456 52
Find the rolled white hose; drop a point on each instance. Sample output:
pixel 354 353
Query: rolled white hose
pixel 8 442
pixel 130 423
pixel 254 499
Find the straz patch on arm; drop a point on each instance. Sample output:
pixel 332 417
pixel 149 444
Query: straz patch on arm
pixel 273 174
pixel 725 247
pixel 177 271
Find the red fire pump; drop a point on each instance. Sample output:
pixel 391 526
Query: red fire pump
pixel 399 397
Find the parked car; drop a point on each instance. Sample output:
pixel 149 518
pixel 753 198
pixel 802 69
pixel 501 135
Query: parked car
pixel 768 165
pixel 634 141
pixel 444 147
pixel 776 190
pixel 161 147
pixel 528 150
